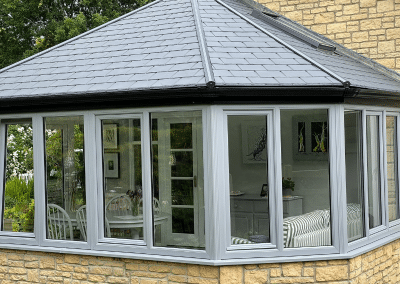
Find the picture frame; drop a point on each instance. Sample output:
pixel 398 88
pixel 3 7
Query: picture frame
pixel 254 142
pixel 111 165
pixel 310 138
pixel 110 136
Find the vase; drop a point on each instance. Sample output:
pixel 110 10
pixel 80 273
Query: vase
pixel 287 192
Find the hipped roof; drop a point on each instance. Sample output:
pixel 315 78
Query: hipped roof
pixel 207 45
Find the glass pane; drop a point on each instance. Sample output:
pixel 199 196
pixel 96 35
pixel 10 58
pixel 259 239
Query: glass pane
pixel 122 171
pixel 249 202
pixel 392 177
pixel 178 196
pixel 65 178
pixel 305 173
pixel 354 175
pixel 373 172
pixel 19 205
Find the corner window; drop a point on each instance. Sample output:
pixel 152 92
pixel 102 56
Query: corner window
pixel 392 167
pixel 18 205
pixel 354 174
pixel 305 178
pixel 65 178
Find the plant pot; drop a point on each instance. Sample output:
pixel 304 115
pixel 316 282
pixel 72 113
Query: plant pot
pixel 287 192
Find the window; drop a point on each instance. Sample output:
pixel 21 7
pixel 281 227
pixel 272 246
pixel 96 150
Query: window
pixel 65 178
pixel 18 205
pixel 354 174
pixel 305 178
pixel 122 175
pixel 248 179
pixel 392 167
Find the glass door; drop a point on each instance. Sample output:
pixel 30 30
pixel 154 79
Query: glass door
pixel 180 183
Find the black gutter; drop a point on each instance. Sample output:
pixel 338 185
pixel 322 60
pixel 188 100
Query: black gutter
pixel 181 96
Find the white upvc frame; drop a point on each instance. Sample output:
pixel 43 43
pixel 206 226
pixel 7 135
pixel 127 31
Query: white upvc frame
pixel 275 248
pixel 216 208
pixel 18 238
pixel 144 246
pixel 396 115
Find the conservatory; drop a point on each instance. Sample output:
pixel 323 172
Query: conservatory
pixel 212 132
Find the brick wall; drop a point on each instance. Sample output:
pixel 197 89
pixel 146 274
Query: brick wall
pixel 369 27
pixel 378 266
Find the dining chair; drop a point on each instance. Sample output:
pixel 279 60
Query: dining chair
pixel 81 220
pixel 59 226
pixel 82 223
pixel 119 205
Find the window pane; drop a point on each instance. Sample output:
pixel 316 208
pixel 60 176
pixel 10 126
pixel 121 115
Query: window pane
pixel 249 202
pixel 392 177
pixel 122 171
pixel 65 178
pixel 354 175
pixel 19 205
pixel 373 172
pixel 178 196
pixel 305 173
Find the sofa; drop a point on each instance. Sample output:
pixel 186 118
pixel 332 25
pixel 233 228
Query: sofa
pixel 313 228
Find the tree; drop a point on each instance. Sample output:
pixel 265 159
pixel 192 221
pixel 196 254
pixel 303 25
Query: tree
pixel 31 26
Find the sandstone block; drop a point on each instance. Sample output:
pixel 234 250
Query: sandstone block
pixel 336 28
pixel 255 276
pixel 159 268
pixel 193 270
pixel 118 280
pixel 321 29
pixel 385 47
pixel 33 275
pixel 100 270
pixel 209 272
pixel 324 18
pixel 393 33
pixel 72 258
pixel 385 6
pixel 367 3
pixel 292 269
pixel 360 37
pixel 351 9
pixel 295 15
pixel 231 274
pixel 332 273
pixel 178 278
pixel 370 24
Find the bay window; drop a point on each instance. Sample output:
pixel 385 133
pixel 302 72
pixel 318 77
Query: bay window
pixel 206 184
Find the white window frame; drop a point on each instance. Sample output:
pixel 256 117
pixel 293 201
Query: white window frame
pixel 275 248
pixel 396 115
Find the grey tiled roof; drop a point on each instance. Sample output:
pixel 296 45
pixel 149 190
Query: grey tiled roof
pixel 177 44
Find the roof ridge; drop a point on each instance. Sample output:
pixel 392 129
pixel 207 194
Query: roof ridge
pixel 205 56
pixel 78 36
pixel 293 49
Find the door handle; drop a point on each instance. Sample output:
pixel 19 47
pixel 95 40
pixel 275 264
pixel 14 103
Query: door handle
pixel 195 181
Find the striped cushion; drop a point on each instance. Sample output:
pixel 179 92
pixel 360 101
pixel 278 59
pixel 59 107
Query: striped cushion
pixel 240 241
pixel 303 224
pixel 320 237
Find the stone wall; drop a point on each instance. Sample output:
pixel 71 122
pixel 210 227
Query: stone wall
pixel 378 266
pixel 369 27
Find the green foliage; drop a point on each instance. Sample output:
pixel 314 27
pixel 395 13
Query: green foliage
pixel 31 26
pixel 288 183
pixel 19 204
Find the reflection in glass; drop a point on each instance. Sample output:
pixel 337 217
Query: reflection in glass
pixel 373 171
pixel 19 205
pixel 354 174
pixel 305 184
pixel 65 176
pixel 392 177
pixel 123 204
pixel 178 196
pixel 247 138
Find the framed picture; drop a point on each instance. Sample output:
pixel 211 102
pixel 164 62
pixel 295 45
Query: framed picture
pixel 310 138
pixel 254 141
pixel 110 136
pixel 111 165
